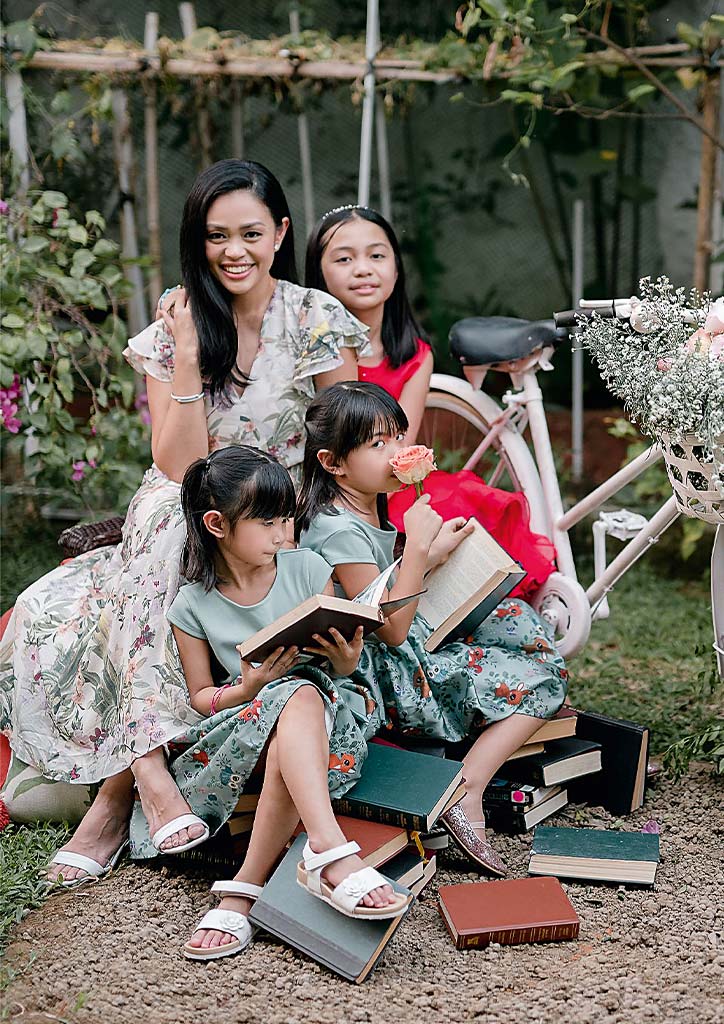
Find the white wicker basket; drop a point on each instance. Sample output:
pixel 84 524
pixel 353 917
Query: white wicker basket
pixel 691 478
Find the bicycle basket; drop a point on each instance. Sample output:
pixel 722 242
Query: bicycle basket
pixel 691 478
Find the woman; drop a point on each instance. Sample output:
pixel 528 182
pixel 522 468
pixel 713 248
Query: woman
pixel 90 684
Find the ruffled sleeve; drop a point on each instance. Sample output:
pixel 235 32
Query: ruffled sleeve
pixel 324 327
pixel 152 351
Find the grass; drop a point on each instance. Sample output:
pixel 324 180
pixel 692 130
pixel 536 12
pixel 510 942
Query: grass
pixel 24 851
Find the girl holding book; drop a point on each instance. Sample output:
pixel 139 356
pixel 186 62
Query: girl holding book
pixel 86 690
pixel 507 676
pixel 292 718
pixel 353 253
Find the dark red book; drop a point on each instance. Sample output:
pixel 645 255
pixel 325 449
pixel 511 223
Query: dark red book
pixel 509 912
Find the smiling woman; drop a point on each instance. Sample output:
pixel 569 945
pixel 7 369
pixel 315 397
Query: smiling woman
pixel 90 684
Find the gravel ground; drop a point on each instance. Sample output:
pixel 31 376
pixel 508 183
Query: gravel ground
pixel 110 954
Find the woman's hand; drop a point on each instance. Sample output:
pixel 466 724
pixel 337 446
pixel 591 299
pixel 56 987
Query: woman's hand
pixel 343 656
pixel 422 525
pixel 181 325
pixel 452 533
pixel 276 666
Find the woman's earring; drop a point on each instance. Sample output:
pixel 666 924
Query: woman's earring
pixel 276 247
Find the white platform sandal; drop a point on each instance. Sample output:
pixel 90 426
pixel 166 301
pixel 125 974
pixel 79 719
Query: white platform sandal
pixel 94 870
pixel 347 895
pixel 228 921
pixel 171 827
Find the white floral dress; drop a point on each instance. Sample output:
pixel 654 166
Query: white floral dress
pixel 89 676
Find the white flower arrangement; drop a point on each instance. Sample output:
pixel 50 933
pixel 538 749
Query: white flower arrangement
pixel 667 364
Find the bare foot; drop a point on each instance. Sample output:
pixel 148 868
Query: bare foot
pixel 208 938
pixel 335 873
pixel 102 830
pixel 162 801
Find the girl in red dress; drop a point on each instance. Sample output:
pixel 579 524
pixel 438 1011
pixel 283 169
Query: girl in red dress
pixel 353 254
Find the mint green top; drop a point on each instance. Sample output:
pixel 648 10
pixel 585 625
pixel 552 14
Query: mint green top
pixel 342 538
pixel 223 623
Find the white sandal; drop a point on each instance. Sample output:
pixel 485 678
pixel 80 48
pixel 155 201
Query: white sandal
pixel 94 870
pixel 229 921
pixel 347 895
pixel 171 827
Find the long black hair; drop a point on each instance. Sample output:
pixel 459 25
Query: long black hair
pixel 339 419
pixel 400 329
pixel 210 302
pixel 241 482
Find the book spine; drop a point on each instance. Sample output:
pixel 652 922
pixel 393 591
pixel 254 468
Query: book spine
pixel 515 936
pixel 383 815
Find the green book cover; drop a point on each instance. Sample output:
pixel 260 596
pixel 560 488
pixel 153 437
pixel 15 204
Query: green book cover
pixel 399 787
pixel 349 947
pixel 595 844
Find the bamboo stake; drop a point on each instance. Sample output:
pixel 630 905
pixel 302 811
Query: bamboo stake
pixel 187 14
pixel 305 152
pixel 368 107
pixel 237 120
pixel 710 95
pixel 153 206
pixel 123 153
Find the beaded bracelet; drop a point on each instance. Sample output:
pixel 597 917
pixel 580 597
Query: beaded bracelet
pixel 185 399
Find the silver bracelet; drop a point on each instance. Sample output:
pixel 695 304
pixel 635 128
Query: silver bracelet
pixel 185 399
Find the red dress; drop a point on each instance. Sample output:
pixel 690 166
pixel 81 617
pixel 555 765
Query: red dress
pixel 504 514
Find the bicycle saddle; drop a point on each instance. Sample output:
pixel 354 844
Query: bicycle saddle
pixel 481 340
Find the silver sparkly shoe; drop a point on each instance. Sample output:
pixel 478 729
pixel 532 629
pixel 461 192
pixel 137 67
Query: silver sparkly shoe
pixel 456 822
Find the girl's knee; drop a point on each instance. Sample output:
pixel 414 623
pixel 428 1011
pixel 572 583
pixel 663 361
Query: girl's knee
pixel 307 699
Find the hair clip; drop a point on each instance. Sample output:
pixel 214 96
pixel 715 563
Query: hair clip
pixel 348 206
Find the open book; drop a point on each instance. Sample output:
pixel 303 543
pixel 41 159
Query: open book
pixel 463 591
pixel 296 628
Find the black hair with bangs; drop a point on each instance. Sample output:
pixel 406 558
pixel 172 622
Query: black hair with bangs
pixel 400 329
pixel 210 302
pixel 241 482
pixel 340 419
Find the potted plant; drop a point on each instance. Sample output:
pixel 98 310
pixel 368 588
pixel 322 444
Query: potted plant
pixel 667 365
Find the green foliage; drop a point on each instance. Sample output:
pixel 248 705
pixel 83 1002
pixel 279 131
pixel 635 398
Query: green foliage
pixel 24 851
pixel 706 744
pixel 61 338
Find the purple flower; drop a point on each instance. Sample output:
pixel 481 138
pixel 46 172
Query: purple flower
pixel 141 404
pixel 4 208
pixel 78 470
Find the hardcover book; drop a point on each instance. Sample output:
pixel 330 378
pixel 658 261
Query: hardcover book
pixel 317 614
pixel 465 589
pixel 561 725
pixel 409 869
pixel 378 843
pixel 596 854
pixel 286 911
pixel 561 760
pixel 509 819
pixel 399 787
pixel 619 786
pixel 526 751
pixel 508 912
pixel 521 796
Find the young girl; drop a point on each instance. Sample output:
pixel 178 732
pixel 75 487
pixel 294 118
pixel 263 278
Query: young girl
pixel 354 254
pixel 506 676
pixel 237 502
pixel 85 688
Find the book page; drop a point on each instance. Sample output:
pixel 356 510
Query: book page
pixel 374 591
pixel 473 564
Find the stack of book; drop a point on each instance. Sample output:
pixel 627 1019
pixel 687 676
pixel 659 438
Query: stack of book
pixel 401 794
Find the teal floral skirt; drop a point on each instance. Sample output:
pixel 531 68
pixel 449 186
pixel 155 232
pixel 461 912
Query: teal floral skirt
pixel 212 761
pixel 508 666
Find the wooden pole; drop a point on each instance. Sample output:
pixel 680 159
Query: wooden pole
pixel 710 102
pixel 153 206
pixel 123 154
pixel 237 120
pixel 383 153
pixel 187 14
pixel 305 152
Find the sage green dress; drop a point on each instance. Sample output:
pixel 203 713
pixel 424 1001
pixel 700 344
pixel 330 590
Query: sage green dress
pixel 213 760
pixel 508 666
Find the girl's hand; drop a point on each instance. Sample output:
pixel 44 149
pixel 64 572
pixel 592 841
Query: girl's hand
pixel 452 533
pixel 180 324
pixel 342 656
pixel 422 524
pixel 276 666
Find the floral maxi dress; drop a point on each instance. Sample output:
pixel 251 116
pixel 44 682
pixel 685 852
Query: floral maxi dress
pixel 89 675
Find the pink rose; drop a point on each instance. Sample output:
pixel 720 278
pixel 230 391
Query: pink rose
pixel 699 342
pixel 412 465
pixel 663 365
pixel 716 350
pixel 714 323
